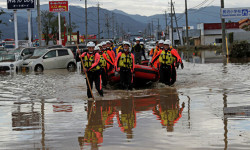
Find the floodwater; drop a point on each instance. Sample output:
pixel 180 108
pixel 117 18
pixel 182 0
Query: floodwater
pixel 207 108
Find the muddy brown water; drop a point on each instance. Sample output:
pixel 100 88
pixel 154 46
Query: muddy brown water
pixel 207 108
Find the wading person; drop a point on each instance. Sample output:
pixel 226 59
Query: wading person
pixel 143 50
pixel 125 63
pixel 137 50
pixel 168 59
pixel 91 62
pixel 109 55
pixel 110 48
pixel 104 63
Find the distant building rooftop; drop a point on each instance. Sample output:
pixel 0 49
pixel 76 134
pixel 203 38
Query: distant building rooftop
pixel 215 26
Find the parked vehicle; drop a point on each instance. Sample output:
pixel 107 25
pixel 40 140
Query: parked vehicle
pixel 82 48
pixel 10 63
pixel 9 47
pixel 24 52
pixel 149 45
pixel 3 52
pixel 56 58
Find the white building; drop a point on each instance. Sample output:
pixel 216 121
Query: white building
pixel 211 33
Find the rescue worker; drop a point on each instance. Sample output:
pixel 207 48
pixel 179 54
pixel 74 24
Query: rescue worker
pixel 110 48
pixel 119 49
pixel 137 50
pixel 91 62
pixel 125 64
pixel 104 61
pixel 168 60
pixel 109 55
pixel 143 50
pixel 152 51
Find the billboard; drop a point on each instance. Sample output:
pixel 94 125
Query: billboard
pixel 21 4
pixel 58 6
pixel 235 12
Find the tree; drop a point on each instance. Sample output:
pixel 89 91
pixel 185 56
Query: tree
pixel 50 26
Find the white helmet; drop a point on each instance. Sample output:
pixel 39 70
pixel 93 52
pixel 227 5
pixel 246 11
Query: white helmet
pixel 91 44
pixel 167 42
pixel 103 43
pixel 99 45
pixel 96 48
pixel 126 43
pixel 142 43
pixel 137 39
pixel 108 42
pixel 161 42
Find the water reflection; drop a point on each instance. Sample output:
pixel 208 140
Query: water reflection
pixel 101 115
pixel 29 120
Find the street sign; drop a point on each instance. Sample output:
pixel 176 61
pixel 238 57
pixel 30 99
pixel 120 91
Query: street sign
pixel 58 6
pixel 21 4
pixel 235 12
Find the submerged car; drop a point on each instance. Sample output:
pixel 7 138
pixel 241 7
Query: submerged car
pixel 43 59
pixel 24 52
pixel 10 63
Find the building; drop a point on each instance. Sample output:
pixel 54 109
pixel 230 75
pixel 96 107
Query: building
pixel 211 33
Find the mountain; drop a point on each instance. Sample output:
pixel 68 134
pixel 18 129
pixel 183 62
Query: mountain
pixel 77 16
pixel 130 23
pixel 209 14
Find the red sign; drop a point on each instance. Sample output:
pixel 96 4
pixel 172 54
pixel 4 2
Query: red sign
pixel 58 6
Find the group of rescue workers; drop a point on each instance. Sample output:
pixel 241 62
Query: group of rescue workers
pixel 104 57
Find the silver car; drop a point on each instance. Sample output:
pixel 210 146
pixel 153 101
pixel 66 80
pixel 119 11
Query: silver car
pixel 10 63
pixel 44 59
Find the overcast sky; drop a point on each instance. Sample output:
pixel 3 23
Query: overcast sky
pixel 150 7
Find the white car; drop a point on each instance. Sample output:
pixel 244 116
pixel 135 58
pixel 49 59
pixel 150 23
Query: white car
pixel 10 63
pixel 24 52
pixel 44 59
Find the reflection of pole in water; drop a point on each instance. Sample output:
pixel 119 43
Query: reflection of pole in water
pixel 189 122
pixel 225 121
pixel 43 127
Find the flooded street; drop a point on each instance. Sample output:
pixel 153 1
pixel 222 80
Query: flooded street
pixel 207 108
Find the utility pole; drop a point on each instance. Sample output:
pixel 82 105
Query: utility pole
pixel 39 23
pixel 158 30
pixel 98 13
pixel 122 32
pixel 113 25
pixel 177 24
pixel 166 20
pixel 186 13
pixel 172 30
pixel 16 31
pixel 152 28
pixel 70 28
pixel 117 30
pixel 86 22
pixel 59 25
pixel 29 26
pixel 107 23
pixel 223 26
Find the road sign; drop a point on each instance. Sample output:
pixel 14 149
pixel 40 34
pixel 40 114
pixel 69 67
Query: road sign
pixel 21 4
pixel 58 6
pixel 235 12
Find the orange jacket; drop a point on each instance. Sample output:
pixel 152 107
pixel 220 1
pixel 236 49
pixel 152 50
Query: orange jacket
pixel 173 52
pixel 117 61
pixel 96 58
pixel 152 51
